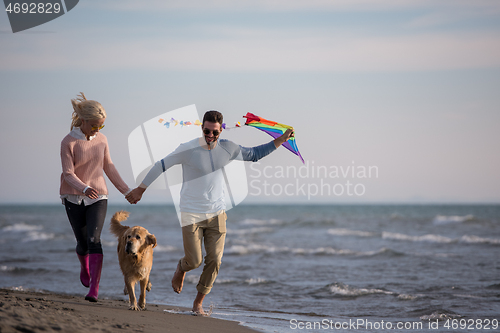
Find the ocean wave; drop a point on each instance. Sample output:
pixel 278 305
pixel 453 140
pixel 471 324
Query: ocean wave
pixel 331 251
pixel 406 297
pixel 341 289
pixel 494 286
pixel 349 232
pixel 38 236
pixel 432 238
pixel 385 251
pixel 467 296
pixel 479 240
pixel 319 251
pixel 261 222
pixel 425 238
pixel 7 268
pixel 256 281
pixel 443 219
pixel 32 232
pixel 435 255
pixel 259 248
pixel 112 243
pixel 247 281
pixel 323 251
pixel 252 248
pixel 15 260
pixel 440 315
pixel 260 230
pixel 24 271
pixel 22 227
pixel 225 281
pixel 193 279
pixel 165 248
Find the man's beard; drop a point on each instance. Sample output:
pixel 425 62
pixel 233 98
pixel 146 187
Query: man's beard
pixel 214 139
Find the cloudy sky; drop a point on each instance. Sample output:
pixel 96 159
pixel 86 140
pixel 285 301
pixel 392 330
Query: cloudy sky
pixel 409 88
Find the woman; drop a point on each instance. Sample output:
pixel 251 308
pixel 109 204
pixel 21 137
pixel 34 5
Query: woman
pixel 84 157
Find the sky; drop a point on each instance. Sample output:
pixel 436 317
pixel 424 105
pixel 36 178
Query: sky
pixel 392 101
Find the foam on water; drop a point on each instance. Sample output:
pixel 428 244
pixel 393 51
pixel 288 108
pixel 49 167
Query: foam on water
pixel 251 281
pixel 440 316
pixel 252 248
pixel 443 219
pixel 348 232
pixel 249 231
pixel 432 238
pixel 256 281
pixel 38 236
pixel 345 290
pixel 324 251
pixel 7 268
pixel 406 297
pixel 165 248
pixel 261 222
pixel 225 281
pixel 22 227
pixel 341 289
pixel 469 239
pixel 425 238
pixel 31 232
pixel 479 240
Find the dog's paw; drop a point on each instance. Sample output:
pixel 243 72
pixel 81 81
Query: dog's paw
pixel 149 286
pixel 134 308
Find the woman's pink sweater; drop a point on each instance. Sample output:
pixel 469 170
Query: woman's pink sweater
pixel 83 163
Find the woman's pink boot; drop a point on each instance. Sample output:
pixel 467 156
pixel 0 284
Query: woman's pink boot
pixel 84 271
pixel 95 265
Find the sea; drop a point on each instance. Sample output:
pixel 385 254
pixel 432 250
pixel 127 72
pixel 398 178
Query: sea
pixel 293 268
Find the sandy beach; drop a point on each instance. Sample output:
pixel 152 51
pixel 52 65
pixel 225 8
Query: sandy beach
pixel 22 311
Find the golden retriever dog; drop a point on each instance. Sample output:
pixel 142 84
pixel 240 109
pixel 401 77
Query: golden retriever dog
pixel 135 254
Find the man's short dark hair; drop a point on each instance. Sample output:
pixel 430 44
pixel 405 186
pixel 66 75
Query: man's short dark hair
pixel 213 117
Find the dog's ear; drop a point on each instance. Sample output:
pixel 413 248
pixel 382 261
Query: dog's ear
pixel 151 240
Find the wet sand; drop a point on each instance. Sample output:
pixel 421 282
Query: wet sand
pixel 24 311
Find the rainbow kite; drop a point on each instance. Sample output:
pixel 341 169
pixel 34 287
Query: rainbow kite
pixel 274 129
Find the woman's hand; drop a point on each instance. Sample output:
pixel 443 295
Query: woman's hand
pixel 92 193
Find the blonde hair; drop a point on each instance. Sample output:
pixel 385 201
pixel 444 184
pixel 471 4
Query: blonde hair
pixel 86 110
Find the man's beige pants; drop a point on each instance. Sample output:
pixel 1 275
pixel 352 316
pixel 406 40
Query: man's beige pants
pixel 213 232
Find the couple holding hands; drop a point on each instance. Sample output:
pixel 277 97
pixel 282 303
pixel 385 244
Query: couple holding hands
pixel 85 157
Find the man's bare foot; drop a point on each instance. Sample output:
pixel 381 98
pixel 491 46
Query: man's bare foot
pixel 178 279
pixel 198 305
pixel 198 311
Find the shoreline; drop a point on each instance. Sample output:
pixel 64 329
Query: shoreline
pixel 32 311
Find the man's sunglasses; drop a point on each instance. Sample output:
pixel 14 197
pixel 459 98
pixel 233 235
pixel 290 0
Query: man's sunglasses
pixel 95 128
pixel 207 132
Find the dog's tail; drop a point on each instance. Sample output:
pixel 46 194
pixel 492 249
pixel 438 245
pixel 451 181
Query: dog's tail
pixel 116 227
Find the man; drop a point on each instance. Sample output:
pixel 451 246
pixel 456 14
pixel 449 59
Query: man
pixel 202 203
